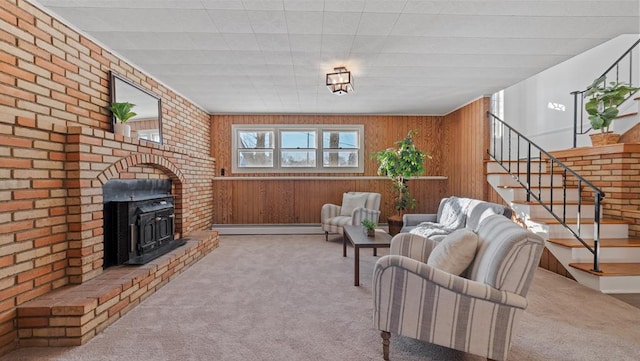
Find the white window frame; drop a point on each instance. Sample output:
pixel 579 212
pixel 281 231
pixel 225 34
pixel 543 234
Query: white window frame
pixel 276 130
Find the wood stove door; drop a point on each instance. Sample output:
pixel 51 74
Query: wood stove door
pixel 146 233
pixel 155 229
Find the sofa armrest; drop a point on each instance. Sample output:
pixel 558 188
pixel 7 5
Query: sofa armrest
pixel 329 211
pixel 413 220
pixel 413 246
pixel 360 214
pixel 444 280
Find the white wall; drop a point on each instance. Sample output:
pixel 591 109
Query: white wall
pixel 526 103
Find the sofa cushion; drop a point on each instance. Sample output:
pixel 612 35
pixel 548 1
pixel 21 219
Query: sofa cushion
pixel 351 202
pixel 455 252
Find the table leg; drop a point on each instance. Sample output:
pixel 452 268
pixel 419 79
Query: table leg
pixel 356 271
pixel 344 246
pixel 375 251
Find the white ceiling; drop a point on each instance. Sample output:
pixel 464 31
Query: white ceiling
pixel 407 57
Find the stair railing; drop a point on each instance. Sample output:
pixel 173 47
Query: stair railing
pixel 516 154
pixel 611 74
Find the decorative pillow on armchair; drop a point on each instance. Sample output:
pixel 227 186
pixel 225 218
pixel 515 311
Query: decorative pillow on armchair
pixel 455 252
pixel 351 202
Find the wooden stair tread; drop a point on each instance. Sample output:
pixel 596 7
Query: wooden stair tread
pixel 604 243
pixel 584 220
pixel 610 269
pixel 521 173
pixel 535 186
pixel 569 203
pixel 633 114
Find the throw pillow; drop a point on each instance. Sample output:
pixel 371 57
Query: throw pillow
pixel 351 202
pixel 455 252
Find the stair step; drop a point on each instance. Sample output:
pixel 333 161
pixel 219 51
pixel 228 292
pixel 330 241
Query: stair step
pixel 494 166
pixel 583 221
pixel 534 209
pixel 506 179
pixel 610 269
pixel 558 203
pixel 626 115
pixel 604 243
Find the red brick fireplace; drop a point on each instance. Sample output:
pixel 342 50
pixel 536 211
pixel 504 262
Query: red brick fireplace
pixel 56 152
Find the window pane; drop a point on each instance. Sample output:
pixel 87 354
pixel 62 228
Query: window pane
pixel 255 139
pixel 298 139
pixel 254 159
pixel 298 158
pixel 348 158
pixel 340 139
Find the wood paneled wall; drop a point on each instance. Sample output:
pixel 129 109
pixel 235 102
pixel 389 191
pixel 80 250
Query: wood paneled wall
pixel 299 201
pixel 267 201
pixel 465 144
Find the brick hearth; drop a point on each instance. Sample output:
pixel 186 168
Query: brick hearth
pixel 72 315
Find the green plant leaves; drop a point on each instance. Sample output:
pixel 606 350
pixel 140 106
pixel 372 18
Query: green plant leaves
pixel 400 164
pixel 122 111
pixel 604 100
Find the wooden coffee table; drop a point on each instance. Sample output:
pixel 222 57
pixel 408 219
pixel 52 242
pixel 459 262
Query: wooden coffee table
pixel 359 239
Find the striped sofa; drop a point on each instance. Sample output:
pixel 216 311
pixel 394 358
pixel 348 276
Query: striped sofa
pixel 476 313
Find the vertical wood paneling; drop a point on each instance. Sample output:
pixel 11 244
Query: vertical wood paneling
pixel 466 140
pixel 300 201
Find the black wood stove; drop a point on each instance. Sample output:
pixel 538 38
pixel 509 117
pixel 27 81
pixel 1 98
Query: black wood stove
pixel 138 221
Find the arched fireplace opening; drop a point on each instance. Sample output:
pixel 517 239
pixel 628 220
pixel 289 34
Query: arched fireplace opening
pixel 139 220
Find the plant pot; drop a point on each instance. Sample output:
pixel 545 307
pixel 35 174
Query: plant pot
pixel 604 138
pixel 371 232
pixel 395 224
pixel 122 129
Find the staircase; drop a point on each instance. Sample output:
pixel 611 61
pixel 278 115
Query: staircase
pixel 619 255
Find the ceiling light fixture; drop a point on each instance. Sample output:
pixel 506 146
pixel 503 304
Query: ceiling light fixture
pixel 340 82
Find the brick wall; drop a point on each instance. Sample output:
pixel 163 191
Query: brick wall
pixel 56 151
pixel 615 169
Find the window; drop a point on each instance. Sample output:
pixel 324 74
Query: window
pixel 297 148
pixel 340 148
pixel 255 148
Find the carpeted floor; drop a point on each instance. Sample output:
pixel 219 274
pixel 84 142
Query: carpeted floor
pixel 292 298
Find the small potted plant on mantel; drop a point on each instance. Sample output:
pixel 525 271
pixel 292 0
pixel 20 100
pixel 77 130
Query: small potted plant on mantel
pixel 370 226
pixel 602 108
pixel 122 112
pixel 400 164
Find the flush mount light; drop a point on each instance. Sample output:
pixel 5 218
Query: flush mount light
pixel 340 82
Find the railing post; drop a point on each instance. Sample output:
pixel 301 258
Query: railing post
pixel 528 172
pixel 596 234
pixel 575 118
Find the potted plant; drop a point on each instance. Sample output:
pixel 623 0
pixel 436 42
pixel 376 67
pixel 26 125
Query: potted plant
pixel 370 226
pixel 122 112
pixel 602 107
pixel 400 164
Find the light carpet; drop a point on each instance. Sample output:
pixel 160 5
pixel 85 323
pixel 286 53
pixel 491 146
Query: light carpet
pixel 291 297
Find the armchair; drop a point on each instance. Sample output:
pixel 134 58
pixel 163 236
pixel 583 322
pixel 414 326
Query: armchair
pixel 476 312
pixel 356 206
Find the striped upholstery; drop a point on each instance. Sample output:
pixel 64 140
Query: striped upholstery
pixel 332 221
pixel 475 315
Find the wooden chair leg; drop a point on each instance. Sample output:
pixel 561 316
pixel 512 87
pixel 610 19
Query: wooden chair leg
pixel 326 236
pixel 385 344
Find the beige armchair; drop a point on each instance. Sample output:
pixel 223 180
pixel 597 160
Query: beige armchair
pixel 477 313
pixel 356 206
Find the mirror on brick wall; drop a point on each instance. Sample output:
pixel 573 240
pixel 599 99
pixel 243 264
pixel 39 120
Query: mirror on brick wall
pixel 147 124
